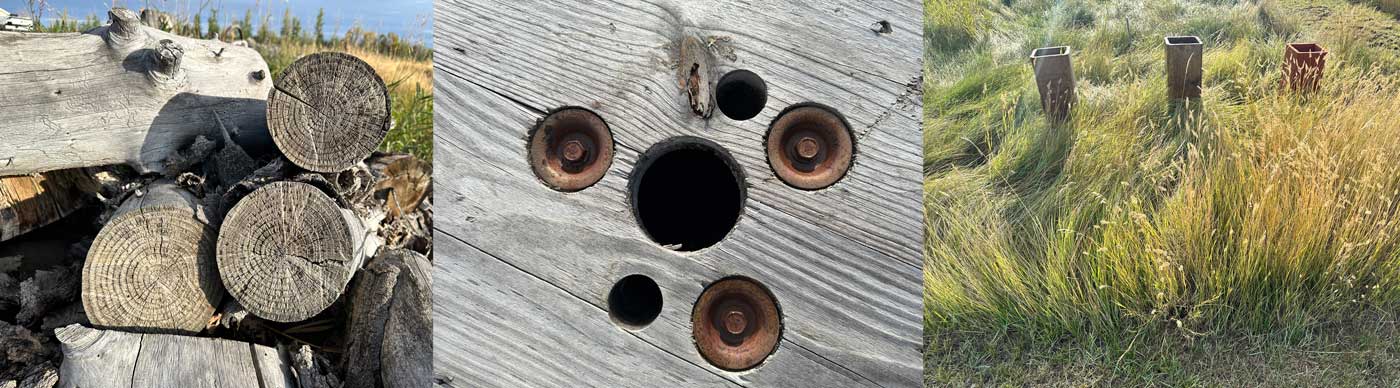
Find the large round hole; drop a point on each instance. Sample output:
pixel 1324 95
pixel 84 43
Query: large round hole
pixel 687 193
pixel 741 94
pixel 635 301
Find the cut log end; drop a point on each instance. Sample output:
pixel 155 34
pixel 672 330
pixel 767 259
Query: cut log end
pixel 286 252
pixel 151 269
pixel 328 111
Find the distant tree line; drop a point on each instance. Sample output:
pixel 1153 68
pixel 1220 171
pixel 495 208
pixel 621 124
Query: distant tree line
pixel 290 32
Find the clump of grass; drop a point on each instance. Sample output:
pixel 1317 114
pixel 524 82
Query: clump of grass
pixel 951 25
pixel 1251 213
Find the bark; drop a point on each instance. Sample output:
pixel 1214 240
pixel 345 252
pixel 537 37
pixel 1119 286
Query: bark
pixel 390 338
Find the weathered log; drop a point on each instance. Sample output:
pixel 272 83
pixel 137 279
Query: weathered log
pixel 28 202
pixel 151 268
pixel 286 251
pixel 391 323
pixel 123 93
pixel 112 359
pixel 328 111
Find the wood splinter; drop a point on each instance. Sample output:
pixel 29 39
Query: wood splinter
pixel 694 74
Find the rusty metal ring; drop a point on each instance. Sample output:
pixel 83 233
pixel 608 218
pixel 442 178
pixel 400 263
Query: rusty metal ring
pixel 736 323
pixel 810 146
pixel 570 149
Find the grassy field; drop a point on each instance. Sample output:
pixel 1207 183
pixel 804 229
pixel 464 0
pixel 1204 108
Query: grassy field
pixel 406 67
pixel 1248 238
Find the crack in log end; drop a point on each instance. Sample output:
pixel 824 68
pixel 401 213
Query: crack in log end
pixel 694 75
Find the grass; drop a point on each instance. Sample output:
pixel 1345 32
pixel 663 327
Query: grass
pixel 1245 238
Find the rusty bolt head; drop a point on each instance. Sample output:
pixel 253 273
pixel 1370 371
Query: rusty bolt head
pixel 570 149
pixel 736 324
pixel 573 151
pixel 810 146
pixel 807 148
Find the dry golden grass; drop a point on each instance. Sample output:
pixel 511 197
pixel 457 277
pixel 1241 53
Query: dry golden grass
pixel 407 72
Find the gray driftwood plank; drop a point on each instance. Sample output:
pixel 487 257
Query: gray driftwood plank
pixel 514 330
pixel 95 358
pixel 843 262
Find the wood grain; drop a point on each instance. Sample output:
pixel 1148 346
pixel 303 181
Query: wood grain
pixel 843 262
pixel 29 202
pixel 390 334
pixel 112 359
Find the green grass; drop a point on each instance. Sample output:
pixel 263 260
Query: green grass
pixel 1141 238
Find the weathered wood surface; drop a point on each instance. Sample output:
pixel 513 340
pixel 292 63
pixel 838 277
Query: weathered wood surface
pixel 390 339
pixel 523 280
pixel 28 202
pixel 95 358
pixel 123 93
pixel 287 251
pixel 151 268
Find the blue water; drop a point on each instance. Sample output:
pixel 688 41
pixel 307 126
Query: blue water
pixel 410 19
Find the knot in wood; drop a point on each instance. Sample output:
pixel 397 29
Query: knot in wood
pixel 694 75
pixel 124 31
pixel 167 56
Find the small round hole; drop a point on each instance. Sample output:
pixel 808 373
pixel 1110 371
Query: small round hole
pixel 635 301
pixel 741 94
pixel 687 193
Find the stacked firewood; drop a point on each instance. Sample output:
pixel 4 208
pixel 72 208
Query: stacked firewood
pixel 246 232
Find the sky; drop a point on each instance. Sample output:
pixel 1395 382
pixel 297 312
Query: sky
pixel 411 19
